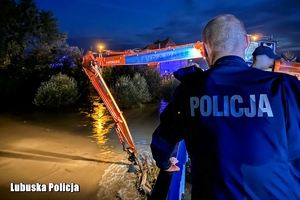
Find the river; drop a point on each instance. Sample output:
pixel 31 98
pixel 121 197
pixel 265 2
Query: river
pixel 76 145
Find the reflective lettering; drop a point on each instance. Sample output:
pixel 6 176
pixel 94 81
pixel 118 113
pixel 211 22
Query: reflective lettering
pixel 264 106
pixel 194 103
pixel 226 106
pixel 215 107
pixel 232 106
pixel 233 109
pixel 251 112
pixel 208 110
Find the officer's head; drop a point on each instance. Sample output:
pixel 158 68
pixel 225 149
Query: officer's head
pixel 263 57
pixel 224 35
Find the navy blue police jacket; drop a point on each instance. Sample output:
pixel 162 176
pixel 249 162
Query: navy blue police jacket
pixel 241 127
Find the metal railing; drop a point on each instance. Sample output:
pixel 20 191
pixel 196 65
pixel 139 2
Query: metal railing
pixel 171 186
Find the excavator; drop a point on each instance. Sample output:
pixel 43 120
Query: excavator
pixel 147 57
pixel 92 66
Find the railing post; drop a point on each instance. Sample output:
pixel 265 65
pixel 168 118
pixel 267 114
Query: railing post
pixel 177 185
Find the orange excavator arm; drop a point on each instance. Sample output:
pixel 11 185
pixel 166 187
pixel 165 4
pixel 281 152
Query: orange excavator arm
pixel 121 126
pixel 149 57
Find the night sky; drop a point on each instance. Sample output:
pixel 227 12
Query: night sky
pixel 127 24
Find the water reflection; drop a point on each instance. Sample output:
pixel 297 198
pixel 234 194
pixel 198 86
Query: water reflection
pixel 102 124
pixel 142 123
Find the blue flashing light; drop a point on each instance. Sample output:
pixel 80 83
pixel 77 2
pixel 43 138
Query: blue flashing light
pixel 61 62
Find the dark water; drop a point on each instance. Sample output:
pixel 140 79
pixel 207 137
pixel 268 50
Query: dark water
pixel 69 145
pixel 92 121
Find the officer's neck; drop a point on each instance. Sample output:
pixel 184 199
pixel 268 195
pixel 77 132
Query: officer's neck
pixel 216 55
pixel 259 66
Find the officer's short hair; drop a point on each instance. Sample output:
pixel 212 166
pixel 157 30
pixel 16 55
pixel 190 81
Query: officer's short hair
pixel 225 33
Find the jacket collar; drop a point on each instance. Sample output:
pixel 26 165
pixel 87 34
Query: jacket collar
pixel 230 61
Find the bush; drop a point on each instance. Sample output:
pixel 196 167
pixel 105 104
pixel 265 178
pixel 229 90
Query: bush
pixel 83 83
pixel 152 77
pixel 112 74
pixel 167 89
pixel 142 93
pixel 153 80
pixel 59 91
pixel 131 92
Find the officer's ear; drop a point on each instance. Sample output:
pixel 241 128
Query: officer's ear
pixel 207 53
pixel 207 50
pixel 247 41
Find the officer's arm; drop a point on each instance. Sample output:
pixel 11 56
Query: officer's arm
pixel 292 97
pixel 168 133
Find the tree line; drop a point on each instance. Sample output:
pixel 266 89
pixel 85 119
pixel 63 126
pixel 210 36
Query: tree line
pixel 34 54
pixel 32 50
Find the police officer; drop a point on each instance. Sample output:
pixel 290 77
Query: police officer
pixel 263 58
pixel 240 124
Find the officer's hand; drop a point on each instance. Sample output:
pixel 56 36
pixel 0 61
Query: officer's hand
pixel 173 167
